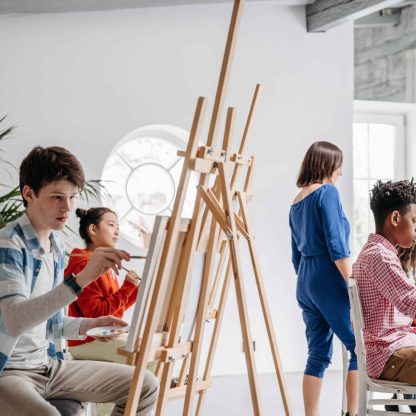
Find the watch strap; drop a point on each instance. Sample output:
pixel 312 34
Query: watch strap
pixel 72 283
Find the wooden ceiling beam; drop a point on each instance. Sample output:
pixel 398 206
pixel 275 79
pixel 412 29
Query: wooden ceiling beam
pixel 326 14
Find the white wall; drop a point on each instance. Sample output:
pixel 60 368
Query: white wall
pixel 84 80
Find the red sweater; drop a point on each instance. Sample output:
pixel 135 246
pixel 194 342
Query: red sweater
pixel 102 297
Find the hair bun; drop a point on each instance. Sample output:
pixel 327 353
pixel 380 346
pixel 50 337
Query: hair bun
pixel 81 213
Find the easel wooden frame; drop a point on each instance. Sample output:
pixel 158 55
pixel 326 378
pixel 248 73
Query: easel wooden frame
pixel 213 211
pixel 233 225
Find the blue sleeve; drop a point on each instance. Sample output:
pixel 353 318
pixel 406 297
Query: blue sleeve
pixel 332 216
pixel 12 277
pixel 295 255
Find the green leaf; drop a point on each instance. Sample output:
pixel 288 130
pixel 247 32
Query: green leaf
pixel 94 190
pixel 8 130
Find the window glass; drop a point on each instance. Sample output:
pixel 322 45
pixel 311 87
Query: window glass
pixel 142 175
pixel 381 139
pixel 375 156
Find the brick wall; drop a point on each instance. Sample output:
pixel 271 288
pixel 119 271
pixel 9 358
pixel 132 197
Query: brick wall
pixel 381 59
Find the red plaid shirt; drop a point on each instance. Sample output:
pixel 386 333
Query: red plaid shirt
pixel 388 301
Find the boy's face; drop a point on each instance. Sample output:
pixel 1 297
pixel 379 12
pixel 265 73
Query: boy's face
pixel 50 208
pixel 405 228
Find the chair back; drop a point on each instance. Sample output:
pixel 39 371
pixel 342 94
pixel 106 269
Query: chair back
pixel 358 325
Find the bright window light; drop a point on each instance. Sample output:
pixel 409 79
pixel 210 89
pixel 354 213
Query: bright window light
pixel 142 175
pixel 377 154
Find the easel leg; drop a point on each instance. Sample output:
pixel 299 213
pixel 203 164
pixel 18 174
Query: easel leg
pixel 215 334
pixel 164 387
pixel 239 288
pixel 200 320
pixel 265 307
pixel 245 329
pixel 219 272
pixel 161 278
pixel 159 369
pixel 184 371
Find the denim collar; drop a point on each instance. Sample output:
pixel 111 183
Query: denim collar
pixel 32 240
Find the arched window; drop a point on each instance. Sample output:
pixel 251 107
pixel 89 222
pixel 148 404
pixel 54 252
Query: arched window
pixel 142 175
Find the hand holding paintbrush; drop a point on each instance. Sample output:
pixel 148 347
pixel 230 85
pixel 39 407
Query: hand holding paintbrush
pixel 100 261
pixel 132 277
pixel 90 254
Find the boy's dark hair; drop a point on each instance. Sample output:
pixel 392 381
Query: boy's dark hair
pixel 322 159
pixel 391 196
pixel 44 165
pixel 88 217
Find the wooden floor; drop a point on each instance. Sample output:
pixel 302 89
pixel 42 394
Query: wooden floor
pixel 230 396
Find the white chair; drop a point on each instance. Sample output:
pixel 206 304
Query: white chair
pixel 345 362
pixel 368 385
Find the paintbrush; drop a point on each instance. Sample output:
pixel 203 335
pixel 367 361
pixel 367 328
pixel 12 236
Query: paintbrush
pixel 90 254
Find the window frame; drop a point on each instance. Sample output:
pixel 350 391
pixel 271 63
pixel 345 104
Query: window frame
pixel 381 113
pixel 174 135
pixel 397 120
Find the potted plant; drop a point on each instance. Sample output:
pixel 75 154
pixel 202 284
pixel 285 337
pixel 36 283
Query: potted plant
pixel 11 204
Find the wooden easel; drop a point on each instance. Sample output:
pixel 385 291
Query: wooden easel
pixel 225 190
pixel 235 225
pixel 214 217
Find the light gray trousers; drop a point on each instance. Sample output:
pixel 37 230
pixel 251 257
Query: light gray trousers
pixel 26 392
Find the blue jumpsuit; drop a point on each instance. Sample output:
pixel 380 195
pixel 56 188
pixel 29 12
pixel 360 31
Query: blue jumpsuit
pixel 320 233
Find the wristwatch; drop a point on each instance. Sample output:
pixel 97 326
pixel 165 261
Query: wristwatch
pixel 72 283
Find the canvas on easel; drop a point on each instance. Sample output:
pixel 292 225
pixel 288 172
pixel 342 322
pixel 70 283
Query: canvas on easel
pixel 146 284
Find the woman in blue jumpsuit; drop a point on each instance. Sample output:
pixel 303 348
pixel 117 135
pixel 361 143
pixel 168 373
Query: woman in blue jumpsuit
pixel 320 255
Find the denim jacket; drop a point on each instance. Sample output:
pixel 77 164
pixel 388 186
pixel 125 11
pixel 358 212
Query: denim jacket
pixel 20 263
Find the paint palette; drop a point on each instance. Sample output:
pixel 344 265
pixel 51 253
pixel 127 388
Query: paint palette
pixel 107 331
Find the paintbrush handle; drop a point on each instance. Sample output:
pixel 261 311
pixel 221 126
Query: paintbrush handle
pixel 88 254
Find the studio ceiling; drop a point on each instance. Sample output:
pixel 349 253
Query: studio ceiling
pixel 62 6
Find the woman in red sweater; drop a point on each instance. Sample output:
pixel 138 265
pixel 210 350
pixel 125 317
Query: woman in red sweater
pixel 99 228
